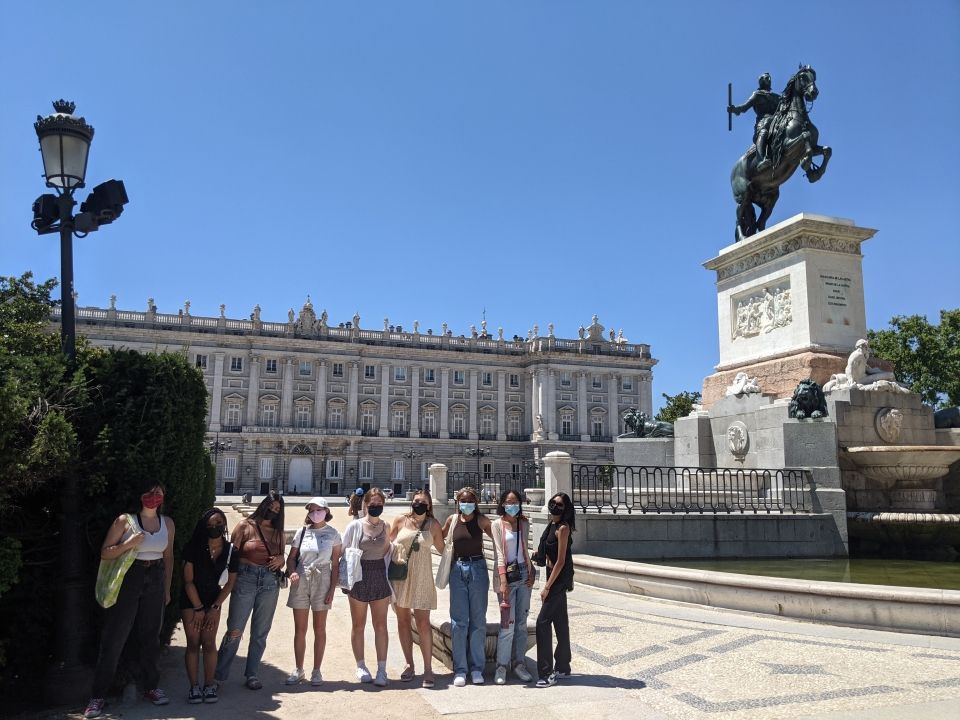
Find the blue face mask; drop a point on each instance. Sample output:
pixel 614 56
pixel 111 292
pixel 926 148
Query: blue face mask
pixel 511 510
pixel 467 508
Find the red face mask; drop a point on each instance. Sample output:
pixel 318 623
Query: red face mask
pixel 152 500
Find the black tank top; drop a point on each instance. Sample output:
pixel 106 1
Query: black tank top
pixel 551 549
pixel 468 538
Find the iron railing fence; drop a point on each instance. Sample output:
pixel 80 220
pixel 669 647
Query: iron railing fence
pixel 490 485
pixel 615 488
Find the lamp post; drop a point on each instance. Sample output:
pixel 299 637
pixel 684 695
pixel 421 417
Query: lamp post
pixel 410 455
pixel 64 146
pixel 217 447
pixel 477 452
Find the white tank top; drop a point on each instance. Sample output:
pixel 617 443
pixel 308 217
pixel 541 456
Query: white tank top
pixel 153 544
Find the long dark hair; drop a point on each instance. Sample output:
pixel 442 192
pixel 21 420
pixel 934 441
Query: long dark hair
pixel 426 493
pixel 261 512
pixel 198 541
pixel 503 499
pixel 569 517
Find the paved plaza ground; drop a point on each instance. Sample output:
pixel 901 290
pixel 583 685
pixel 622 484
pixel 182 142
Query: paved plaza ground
pixel 632 658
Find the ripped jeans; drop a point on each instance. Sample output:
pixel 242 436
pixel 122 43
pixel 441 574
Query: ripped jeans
pixel 255 592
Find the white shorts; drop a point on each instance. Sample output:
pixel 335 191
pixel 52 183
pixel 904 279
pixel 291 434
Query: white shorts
pixel 310 591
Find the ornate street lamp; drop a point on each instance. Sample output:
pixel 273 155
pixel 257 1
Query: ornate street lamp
pixel 478 452
pixel 216 447
pixel 410 455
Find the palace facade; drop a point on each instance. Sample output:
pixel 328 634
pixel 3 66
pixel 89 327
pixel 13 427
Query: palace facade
pixel 309 407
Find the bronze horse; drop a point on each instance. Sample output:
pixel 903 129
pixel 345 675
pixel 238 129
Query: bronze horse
pixel 793 143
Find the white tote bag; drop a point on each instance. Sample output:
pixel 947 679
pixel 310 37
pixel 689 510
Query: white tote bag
pixel 446 559
pixel 350 570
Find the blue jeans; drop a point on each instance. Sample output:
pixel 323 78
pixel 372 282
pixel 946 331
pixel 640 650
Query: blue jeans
pixel 469 587
pixel 256 591
pixel 512 641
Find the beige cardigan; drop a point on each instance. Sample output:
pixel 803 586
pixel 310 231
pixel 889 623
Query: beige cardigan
pixel 500 557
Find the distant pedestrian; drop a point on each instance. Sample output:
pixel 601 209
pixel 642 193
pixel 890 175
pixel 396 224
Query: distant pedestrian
pixel 469 587
pixel 373 590
pixel 259 540
pixel 416 595
pixel 355 503
pixel 513 578
pixel 205 557
pixel 143 593
pixel 556 552
pixel 313 566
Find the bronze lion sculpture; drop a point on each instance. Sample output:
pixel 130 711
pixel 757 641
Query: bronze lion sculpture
pixel 808 401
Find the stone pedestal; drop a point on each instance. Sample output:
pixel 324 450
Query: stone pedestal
pixel 789 304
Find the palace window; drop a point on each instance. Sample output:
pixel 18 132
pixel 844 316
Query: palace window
pixel 458 466
pixel 514 380
pixel 303 415
pixel 370 372
pixel 368 422
pixel 271 366
pixel 230 468
pixel 398 469
pixel 596 426
pixel 335 418
pixel 306 368
pixel 236 364
pixel 486 378
pixel 565 379
pixel 627 383
pixel 202 362
pixel 334 468
pixel 458 422
pixel 458 377
pixel 513 425
pixel 268 415
pixel 338 369
pixel 597 382
pixel 399 420
pixel 429 375
pixel 366 469
pixel 566 424
pixel 486 423
pixel 429 421
pixel 266 468
pixel 399 374
pixel 233 413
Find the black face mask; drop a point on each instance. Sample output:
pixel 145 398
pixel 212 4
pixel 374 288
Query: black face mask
pixel 374 510
pixel 270 515
pixel 554 508
pixel 420 508
pixel 216 531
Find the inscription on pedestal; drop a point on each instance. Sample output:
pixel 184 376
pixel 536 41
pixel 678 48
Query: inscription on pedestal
pixel 836 295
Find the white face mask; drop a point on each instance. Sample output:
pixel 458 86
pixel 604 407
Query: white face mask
pixel 317 516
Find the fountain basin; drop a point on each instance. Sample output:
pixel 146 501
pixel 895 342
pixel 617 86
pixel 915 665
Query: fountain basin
pixel 903 466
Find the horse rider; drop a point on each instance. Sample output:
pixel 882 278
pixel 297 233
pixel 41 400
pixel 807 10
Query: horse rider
pixel 764 104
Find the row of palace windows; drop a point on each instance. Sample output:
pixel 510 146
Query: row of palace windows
pixel 365 468
pixel 400 373
pixel 400 419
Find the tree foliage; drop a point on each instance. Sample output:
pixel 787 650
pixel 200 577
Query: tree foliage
pixel 678 406
pixel 116 418
pixel 926 356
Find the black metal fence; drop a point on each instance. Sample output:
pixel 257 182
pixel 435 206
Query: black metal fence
pixel 612 488
pixel 490 485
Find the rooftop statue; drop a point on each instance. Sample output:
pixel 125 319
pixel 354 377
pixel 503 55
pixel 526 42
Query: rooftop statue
pixel 784 139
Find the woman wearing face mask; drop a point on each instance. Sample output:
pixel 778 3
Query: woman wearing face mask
pixel 513 577
pixel 314 569
pixel 259 542
pixel 469 586
pixel 206 555
pixel 373 591
pixel 144 593
pixel 416 595
pixel 555 551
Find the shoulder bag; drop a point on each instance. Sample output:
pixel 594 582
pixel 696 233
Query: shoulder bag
pixel 400 559
pixel 446 559
pixel 281 575
pixel 350 570
pixel 111 572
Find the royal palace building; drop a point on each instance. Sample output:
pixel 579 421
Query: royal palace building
pixel 310 407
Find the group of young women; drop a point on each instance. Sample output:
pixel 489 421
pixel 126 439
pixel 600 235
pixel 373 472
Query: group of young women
pixel 250 569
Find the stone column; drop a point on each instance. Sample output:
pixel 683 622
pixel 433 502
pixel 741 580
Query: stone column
pixel 473 405
pixel 384 401
pixel 253 391
pixel 501 405
pixel 583 418
pixel 444 403
pixel 351 420
pixel 646 393
pixel 320 400
pixel 415 401
pixel 438 489
pixel 534 400
pixel 527 425
pixel 552 405
pixel 216 392
pixel 613 425
pixel 557 475
pixel 286 398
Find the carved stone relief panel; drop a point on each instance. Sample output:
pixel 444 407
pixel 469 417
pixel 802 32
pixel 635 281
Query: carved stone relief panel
pixel 762 310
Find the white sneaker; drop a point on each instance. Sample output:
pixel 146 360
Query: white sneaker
pixel 500 676
pixel 520 670
pixel 363 675
pixel 296 677
pixel 476 677
pixel 459 680
pixel 316 678
pixel 381 679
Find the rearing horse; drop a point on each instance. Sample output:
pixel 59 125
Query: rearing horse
pixel 793 144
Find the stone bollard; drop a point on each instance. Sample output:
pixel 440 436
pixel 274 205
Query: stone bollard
pixel 438 490
pixel 557 475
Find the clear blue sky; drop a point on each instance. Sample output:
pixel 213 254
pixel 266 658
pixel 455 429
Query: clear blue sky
pixel 544 160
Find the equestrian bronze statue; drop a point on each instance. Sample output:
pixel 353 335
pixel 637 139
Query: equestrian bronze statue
pixel 784 139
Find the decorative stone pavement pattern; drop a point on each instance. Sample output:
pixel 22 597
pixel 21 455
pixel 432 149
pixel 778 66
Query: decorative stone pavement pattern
pixel 686 671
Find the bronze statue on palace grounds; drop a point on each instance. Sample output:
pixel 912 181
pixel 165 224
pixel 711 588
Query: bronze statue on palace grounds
pixel 784 139
pixel 639 425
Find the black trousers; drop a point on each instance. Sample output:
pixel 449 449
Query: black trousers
pixel 553 614
pixel 139 608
